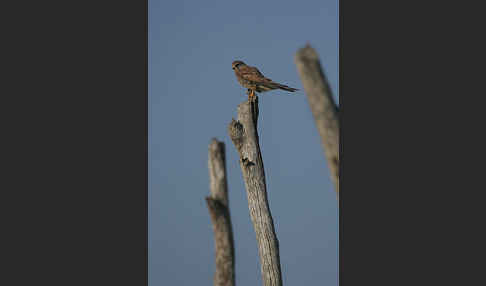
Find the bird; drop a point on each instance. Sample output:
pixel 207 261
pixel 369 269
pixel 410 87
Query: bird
pixel 252 79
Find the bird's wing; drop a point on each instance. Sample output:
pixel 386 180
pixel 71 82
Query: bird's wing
pixel 253 74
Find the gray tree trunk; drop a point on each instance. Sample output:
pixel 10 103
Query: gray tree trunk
pixel 244 135
pixel 218 206
pixel 324 109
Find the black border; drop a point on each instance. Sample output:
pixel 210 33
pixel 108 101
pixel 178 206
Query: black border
pixel 406 210
pixel 75 108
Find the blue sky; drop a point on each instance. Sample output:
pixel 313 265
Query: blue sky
pixel 193 94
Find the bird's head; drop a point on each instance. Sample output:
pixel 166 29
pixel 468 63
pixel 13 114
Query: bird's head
pixel 235 64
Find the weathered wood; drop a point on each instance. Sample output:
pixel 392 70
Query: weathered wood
pixel 244 135
pixel 218 206
pixel 324 109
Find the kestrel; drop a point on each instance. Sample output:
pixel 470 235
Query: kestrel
pixel 252 79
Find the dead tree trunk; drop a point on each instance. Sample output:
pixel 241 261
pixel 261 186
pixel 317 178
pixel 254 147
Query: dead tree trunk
pixel 218 207
pixel 244 135
pixel 323 107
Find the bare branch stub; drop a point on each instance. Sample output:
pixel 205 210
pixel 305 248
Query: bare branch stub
pixel 218 206
pixel 322 105
pixel 235 131
pixel 243 133
pixel 217 171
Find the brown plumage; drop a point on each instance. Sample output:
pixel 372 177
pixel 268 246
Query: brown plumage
pixel 252 79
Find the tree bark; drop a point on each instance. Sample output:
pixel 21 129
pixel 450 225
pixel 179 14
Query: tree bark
pixel 324 109
pixel 218 207
pixel 244 135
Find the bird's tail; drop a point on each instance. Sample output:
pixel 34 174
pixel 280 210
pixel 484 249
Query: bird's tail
pixel 284 87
